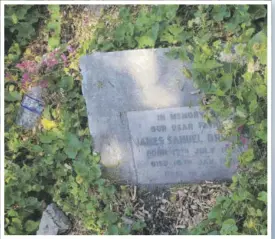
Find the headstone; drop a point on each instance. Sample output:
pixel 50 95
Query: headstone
pixel 145 119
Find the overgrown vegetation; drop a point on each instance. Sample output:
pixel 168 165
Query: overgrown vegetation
pixel 55 161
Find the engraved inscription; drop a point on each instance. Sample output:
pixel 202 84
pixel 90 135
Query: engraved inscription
pixel 184 139
pixel 182 127
pixel 204 151
pixel 170 145
pixel 152 153
pixel 161 117
pixel 158 128
pixel 159 163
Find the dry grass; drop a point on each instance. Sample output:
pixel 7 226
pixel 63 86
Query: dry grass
pixel 166 211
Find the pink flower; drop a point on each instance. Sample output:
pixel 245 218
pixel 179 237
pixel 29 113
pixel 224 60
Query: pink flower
pixel 50 62
pixel 51 59
pixel 70 49
pixel 43 83
pixel 25 80
pixel 244 140
pixel 26 77
pixel 28 66
pixel 227 146
pixel 20 66
pixel 8 76
pixel 240 128
pixel 64 58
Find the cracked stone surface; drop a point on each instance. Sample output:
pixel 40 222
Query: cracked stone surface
pixel 53 222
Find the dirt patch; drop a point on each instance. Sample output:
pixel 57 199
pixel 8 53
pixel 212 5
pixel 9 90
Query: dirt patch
pixel 166 211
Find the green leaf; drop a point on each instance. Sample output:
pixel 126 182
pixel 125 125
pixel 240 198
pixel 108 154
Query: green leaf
pixel 12 213
pixel 16 222
pixel 262 196
pixel 172 34
pixel 14 18
pixel 241 112
pixel 96 158
pixel 48 160
pixel 14 231
pixel 206 66
pixel 66 82
pixel 71 152
pixel 53 25
pixel 24 32
pixel 31 226
pixel 247 156
pixel 46 113
pixel 91 207
pixel 73 140
pixel 113 230
pixel 108 46
pixel 36 148
pixel 73 145
pixel 240 49
pixel 261 130
pixel 146 41
pixel 95 172
pixel 142 20
pixel 124 12
pixel 171 11
pixel 258 44
pixel 220 12
pixel 229 227
pixel 53 42
pixel 215 213
pixel 173 53
pixel 124 230
pixel 112 217
pixel 48 137
pixel 155 31
pixel 261 90
pixel 259 213
pixel 175 29
pixel 257 11
pixel 253 106
pixel 241 195
pixel 81 169
pixel 187 73
pixel 251 211
pixel 249 32
pixel 12 96
pixel 219 92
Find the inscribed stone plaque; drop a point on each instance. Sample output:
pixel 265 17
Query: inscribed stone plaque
pixel 175 144
pixel 125 91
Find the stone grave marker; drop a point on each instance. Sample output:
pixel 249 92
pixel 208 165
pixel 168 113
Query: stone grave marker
pixel 146 122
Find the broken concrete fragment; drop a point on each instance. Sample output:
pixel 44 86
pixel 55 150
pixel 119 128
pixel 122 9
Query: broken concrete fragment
pixel 53 222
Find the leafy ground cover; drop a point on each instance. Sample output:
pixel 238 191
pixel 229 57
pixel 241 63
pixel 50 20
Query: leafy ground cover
pixel 55 161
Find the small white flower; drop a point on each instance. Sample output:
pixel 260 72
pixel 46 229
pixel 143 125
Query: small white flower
pixel 227 124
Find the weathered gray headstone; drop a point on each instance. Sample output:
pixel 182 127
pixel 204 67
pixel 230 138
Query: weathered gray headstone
pixel 145 120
